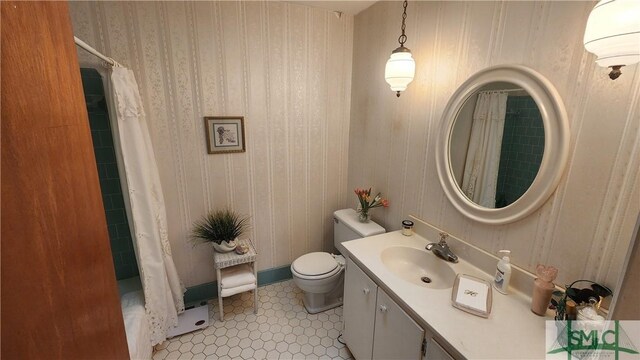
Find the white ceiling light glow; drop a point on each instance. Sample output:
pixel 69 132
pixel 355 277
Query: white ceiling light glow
pixel 613 34
pixel 401 67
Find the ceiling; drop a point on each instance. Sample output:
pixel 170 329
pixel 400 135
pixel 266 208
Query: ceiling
pixel 348 7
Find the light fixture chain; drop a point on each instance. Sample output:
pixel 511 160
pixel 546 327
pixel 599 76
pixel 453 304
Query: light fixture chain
pixel 403 38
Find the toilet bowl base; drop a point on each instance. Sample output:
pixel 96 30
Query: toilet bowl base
pixel 324 307
pixel 318 302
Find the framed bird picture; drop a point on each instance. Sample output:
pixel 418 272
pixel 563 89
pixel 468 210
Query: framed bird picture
pixel 225 134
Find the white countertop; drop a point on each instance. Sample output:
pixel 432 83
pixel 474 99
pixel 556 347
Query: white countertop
pixel 512 331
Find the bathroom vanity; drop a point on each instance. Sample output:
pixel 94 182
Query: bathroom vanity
pixel 388 311
pixel 389 314
pixel 378 328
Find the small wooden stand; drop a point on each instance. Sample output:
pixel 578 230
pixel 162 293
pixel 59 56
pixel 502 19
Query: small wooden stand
pixel 231 259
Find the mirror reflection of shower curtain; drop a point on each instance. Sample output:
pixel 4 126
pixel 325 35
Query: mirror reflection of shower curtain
pixel 163 290
pixel 483 156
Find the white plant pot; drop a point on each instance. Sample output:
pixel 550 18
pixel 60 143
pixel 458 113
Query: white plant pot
pixel 224 246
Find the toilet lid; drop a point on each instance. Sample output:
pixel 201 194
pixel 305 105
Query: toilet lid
pixel 316 263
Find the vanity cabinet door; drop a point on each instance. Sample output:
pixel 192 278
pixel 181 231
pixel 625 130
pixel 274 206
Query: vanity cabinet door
pixel 397 336
pixel 435 352
pixel 359 311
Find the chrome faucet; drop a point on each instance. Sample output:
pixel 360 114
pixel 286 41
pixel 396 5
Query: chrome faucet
pixel 441 249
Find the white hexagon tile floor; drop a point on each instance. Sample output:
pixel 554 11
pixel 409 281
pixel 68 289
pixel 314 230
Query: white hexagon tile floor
pixel 281 329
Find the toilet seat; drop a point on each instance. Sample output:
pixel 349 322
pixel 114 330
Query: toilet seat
pixel 316 265
pixel 320 275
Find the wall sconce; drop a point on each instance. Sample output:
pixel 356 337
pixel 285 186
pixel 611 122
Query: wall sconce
pixel 613 34
pixel 400 67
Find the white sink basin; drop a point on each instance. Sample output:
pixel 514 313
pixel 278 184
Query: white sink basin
pixel 413 265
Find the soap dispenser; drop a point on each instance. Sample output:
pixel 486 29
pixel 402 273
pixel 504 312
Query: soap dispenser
pixel 503 273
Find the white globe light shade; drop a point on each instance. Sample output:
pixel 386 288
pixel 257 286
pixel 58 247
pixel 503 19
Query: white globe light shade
pixel 613 32
pixel 400 70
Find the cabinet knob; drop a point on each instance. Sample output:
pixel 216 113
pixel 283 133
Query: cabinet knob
pixel 383 308
pixel 366 291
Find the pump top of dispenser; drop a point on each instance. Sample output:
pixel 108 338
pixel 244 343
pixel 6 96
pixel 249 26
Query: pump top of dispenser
pixel 506 254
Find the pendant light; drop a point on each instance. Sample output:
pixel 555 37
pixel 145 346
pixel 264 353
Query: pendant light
pixel 613 34
pixel 400 67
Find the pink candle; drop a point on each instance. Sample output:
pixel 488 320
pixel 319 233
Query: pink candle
pixel 543 288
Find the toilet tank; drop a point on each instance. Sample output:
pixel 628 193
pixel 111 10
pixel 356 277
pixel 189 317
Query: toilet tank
pixel 346 226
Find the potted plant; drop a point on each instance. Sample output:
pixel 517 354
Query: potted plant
pixel 581 297
pixel 222 228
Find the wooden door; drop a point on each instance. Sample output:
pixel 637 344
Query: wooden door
pixel 396 336
pixel 59 295
pixel 359 311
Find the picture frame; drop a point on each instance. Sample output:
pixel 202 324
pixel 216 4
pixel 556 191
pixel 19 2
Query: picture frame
pixel 224 134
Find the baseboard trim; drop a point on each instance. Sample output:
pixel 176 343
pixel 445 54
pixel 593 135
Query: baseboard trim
pixel 274 275
pixel 208 291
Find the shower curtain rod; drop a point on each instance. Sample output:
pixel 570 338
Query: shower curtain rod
pixel 95 52
pixel 504 90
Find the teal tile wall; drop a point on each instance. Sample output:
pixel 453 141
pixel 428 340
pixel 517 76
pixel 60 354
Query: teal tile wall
pixel 124 257
pixel 522 149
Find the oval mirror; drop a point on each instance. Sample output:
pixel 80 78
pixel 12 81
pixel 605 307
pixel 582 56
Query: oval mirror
pixel 503 144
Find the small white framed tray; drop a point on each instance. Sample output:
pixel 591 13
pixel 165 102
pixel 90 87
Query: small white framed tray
pixel 472 295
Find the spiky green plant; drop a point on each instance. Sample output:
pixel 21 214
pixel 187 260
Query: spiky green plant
pixel 220 225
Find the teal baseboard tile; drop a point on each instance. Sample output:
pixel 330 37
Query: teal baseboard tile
pixel 195 295
pixel 274 275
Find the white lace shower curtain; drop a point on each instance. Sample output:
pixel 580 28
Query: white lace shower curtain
pixel 483 156
pixel 163 290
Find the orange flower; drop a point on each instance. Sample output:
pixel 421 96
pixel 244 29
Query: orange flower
pixel 367 201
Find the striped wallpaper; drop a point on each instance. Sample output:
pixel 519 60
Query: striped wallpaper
pixel 586 226
pixel 314 132
pixel 285 68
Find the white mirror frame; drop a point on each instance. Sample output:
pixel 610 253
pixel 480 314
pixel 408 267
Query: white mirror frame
pixel 556 143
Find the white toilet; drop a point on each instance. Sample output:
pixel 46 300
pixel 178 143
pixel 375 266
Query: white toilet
pixel 320 275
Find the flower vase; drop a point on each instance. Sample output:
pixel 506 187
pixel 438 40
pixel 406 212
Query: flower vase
pixel 225 246
pixel 363 216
